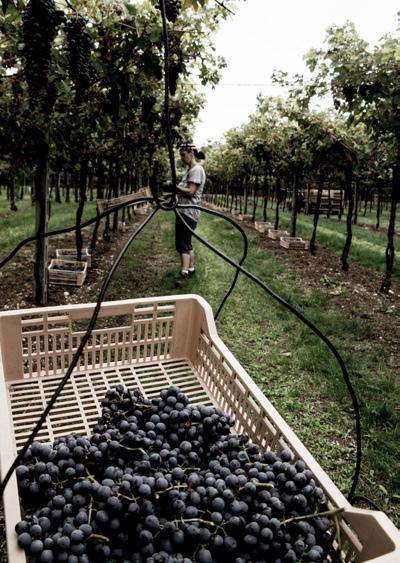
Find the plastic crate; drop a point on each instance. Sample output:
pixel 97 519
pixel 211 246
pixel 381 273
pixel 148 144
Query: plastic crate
pixel 243 217
pixel 295 243
pixel 71 254
pixel 262 226
pixel 147 344
pixel 67 277
pixel 276 234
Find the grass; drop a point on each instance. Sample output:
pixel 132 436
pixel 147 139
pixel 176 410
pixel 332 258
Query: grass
pixel 21 224
pixel 291 365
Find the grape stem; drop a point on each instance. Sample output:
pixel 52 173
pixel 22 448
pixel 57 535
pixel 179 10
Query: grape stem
pixel 90 476
pixel 337 533
pixel 247 455
pixel 90 510
pixel 334 512
pixel 185 520
pixel 127 498
pixel 100 537
pixel 132 449
pixel 173 488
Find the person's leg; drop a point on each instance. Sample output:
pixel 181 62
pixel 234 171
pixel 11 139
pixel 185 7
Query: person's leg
pixel 185 261
pixel 191 264
pixel 184 247
pixel 191 260
pixel 183 241
pixel 180 242
pixel 192 224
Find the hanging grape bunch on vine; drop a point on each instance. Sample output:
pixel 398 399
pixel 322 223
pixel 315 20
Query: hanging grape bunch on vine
pixel 79 49
pixel 172 9
pixel 175 61
pixel 40 21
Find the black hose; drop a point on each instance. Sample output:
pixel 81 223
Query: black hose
pixel 239 268
pixel 77 354
pixel 311 326
pixel 243 258
pixel 360 499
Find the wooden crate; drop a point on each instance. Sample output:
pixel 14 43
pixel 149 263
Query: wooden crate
pixel 331 200
pixel 276 234
pixel 71 254
pixel 262 226
pixel 67 277
pixel 147 344
pixel 103 205
pixel 295 243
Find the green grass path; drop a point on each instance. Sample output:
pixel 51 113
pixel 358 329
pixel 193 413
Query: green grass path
pixel 291 365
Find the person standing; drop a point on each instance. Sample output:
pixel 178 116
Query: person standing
pixel 189 191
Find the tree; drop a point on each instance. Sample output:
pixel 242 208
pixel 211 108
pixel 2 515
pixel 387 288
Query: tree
pixel 365 87
pixel 89 85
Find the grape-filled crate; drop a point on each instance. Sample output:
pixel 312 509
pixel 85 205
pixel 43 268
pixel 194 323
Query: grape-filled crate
pixel 160 445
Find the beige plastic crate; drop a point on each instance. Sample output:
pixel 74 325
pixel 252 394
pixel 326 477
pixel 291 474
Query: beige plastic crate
pixel 71 254
pixel 147 344
pixel 295 243
pixel 67 277
pixel 276 234
pixel 262 226
pixel 243 217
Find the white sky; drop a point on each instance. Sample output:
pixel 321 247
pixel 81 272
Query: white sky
pixel 265 35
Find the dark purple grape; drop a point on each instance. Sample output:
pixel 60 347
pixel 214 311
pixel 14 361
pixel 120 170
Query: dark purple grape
pixel 162 476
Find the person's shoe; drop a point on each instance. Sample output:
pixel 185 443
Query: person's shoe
pixel 181 279
pixel 191 273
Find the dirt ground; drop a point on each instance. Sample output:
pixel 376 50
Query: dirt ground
pixel 355 292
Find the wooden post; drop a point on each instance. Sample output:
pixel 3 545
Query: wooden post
pixel 295 190
pixel 82 198
pixel 41 180
pixel 387 281
pixel 349 218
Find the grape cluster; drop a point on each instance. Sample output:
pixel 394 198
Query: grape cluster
pixel 40 20
pixel 165 481
pixel 175 66
pixel 79 49
pixel 172 9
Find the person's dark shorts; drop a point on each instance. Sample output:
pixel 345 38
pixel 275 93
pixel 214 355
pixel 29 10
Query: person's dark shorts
pixel 183 237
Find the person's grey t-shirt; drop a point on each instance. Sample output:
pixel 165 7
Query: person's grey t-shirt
pixel 196 175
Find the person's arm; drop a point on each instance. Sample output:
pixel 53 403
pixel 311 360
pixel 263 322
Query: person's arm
pixel 189 190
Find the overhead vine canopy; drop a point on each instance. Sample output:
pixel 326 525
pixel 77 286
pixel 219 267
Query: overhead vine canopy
pixel 82 87
pixel 92 71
